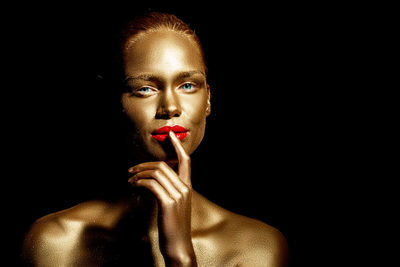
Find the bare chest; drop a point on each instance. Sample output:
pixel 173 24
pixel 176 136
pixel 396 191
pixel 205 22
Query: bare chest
pixel 106 250
pixel 96 246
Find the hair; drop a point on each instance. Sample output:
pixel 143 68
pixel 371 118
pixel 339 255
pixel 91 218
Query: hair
pixel 156 21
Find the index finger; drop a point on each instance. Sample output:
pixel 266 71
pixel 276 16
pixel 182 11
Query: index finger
pixel 183 159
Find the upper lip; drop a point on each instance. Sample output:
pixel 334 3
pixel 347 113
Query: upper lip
pixel 166 129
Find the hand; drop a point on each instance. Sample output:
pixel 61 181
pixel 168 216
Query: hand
pixel 173 192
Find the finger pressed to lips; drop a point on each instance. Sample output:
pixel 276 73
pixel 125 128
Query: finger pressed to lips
pixel 161 134
pixel 183 158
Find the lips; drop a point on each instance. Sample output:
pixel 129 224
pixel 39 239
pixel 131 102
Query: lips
pixel 162 133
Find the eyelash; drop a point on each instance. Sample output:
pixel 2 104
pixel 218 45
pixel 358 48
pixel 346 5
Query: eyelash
pixel 138 92
pixel 193 89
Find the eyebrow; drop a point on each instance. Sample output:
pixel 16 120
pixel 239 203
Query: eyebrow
pixel 152 77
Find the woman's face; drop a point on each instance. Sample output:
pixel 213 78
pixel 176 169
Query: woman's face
pixel 167 85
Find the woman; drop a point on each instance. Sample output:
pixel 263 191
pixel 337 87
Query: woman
pixel 164 222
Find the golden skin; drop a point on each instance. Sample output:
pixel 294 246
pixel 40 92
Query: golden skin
pixel 182 228
pixel 158 62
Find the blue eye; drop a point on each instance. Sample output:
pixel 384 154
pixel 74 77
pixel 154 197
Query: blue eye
pixel 145 90
pixel 188 87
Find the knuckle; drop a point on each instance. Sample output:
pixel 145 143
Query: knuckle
pixel 170 203
pixel 186 191
pixel 186 157
pixel 179 197
pixel 139 182
pixel 156 173
pixel 162 165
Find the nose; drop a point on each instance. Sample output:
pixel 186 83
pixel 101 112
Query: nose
pixel 169 106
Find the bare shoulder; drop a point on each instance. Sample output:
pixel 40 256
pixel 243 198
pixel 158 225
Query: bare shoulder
pixel 236 240
pixel 61 222
pixel 257 243
pixel 59 232
pixel 263 245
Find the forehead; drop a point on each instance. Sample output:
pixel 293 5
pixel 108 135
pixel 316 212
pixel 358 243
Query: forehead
pixel 163 52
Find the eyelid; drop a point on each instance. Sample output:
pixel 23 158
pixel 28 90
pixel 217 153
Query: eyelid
pixel 147 86
pixel 194 84
pixel 137 92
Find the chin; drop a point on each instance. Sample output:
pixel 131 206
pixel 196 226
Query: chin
pixel 160 151
pixel 165 151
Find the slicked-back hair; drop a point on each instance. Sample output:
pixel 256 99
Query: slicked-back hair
pixel 156 21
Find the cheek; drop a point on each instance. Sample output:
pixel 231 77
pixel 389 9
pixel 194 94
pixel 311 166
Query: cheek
pixel 196 114
pixel 139 113
pixel 196 109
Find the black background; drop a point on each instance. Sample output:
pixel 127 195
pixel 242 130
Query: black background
pixel 281 143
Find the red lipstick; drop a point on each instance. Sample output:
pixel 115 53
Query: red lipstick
pixel 161 133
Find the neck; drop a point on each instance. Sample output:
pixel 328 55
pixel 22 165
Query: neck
pixel 144 203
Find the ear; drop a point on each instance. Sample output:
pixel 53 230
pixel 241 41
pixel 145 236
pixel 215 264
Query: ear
pixel 208 109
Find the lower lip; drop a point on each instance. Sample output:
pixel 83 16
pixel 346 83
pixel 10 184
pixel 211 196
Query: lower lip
pixel 162 137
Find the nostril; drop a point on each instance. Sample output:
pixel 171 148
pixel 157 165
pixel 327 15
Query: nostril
pixel 162 116
pixel 167 113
